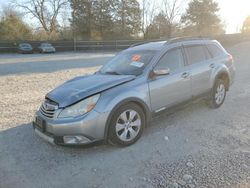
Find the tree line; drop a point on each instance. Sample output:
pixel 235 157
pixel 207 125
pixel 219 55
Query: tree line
pixel 110 19
pixel 105 19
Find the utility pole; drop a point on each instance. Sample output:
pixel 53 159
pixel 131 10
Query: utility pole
pixel 74 28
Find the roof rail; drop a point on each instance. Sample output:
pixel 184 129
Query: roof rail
pixel 145 42
pixel 170 41
pixel 182 39
pixel 138 44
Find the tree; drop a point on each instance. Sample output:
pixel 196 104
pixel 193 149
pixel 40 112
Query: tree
pixel 148 11
pixel 81 20
pixel 12 27
pixel 201 18
pixel 105 19
pixel 172 11
pixel 45 11
pixel 127 18
pixel 165 24
pixel 159 28
pixel 92 18
pixel 246 25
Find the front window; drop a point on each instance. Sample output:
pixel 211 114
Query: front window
pixel 172 60
pixel 46 45
pixel 128 63
pixel 25 45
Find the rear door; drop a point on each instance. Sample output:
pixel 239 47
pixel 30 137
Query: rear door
pixel 200 66
pixel 168 90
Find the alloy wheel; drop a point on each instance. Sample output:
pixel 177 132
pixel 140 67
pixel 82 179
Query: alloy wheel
pixel 220 94
pixel 128 125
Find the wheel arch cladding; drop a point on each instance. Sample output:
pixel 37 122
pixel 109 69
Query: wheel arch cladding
pixel 137 101
pixel 225 77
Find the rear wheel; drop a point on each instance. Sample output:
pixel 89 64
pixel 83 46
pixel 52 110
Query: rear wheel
pixel 218 94
pixel 127 125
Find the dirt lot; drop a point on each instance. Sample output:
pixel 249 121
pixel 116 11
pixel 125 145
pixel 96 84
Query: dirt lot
pixel 192 147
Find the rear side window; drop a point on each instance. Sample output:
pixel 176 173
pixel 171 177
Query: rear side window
pixel 195 54
pixel 207 52
pixel 215 50
pixel 173 60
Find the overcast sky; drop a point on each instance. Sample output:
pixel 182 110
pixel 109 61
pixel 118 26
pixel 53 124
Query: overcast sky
pixel 233 12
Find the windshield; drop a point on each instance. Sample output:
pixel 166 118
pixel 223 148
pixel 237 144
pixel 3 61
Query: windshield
pixel 25 45
pixel 46 45
pixel 128 63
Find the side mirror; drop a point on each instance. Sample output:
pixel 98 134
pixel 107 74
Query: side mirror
pixel 161 72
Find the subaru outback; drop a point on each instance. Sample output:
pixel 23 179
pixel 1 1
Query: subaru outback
pixel 117 102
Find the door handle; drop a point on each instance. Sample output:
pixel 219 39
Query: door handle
pixel 212 66
pixel 185 75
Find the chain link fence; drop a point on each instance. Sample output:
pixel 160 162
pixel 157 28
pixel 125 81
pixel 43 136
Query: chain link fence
pixel 112 45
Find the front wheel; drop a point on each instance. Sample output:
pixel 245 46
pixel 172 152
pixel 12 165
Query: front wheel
pixel 218 94
pixel 127 125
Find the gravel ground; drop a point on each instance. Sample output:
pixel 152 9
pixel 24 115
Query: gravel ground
pixel 192 147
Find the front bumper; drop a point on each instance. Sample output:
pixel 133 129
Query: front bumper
pixel 48 138
pixel 85 130
pixel 26 51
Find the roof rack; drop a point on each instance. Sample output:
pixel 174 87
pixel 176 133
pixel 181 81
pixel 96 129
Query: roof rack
pixel 137 44
pixel 145 42
pixel 182 39
pixel 171 41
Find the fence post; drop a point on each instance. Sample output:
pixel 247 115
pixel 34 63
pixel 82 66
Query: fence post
pixel 74 44
pixel 116 45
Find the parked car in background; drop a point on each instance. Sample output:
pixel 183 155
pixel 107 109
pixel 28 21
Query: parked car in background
pixel 117 102
pixel 25 48
pixel 46 48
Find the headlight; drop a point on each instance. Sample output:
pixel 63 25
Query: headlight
pixel 80 108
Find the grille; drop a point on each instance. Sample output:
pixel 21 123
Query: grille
pixel 48 108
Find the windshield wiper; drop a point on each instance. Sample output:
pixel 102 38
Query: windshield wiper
pixel 113 73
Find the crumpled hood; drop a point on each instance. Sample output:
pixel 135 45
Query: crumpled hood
pixel 79 88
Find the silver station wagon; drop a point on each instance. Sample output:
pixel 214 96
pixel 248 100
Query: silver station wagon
pixel 116 103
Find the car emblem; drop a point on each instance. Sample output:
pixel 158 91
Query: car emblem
pixel 46 106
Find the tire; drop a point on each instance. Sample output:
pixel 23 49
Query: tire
pixel 218 94
pixel 126 125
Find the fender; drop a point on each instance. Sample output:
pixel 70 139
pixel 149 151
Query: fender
pixel 138 101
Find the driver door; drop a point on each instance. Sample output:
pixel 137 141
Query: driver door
pixel 169 90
